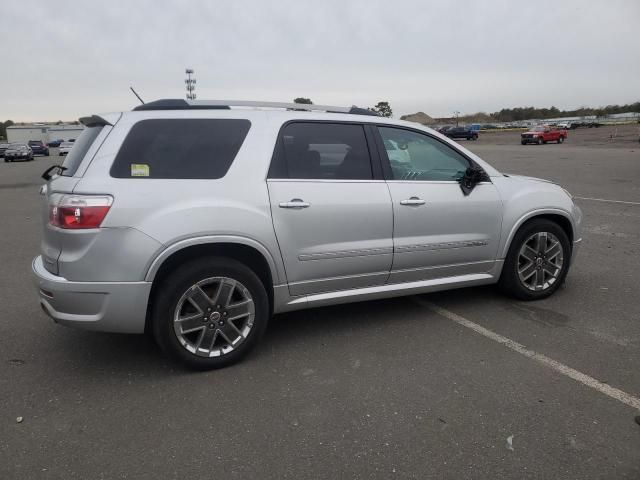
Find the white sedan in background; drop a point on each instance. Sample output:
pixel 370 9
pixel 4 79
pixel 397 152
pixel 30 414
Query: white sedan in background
pixel 65 147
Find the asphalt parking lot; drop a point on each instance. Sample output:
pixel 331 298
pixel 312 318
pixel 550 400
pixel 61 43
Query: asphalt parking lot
pixel 405 388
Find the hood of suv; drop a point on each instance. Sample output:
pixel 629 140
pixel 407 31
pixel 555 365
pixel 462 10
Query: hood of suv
pixel 529 179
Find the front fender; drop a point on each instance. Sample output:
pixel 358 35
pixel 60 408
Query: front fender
pixel 525 198
pixel 504 246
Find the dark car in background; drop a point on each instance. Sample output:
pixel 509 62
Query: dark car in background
pixel 18 151
pixel 461 132
pixel 3 147
pixel 55 143
pixel 38 148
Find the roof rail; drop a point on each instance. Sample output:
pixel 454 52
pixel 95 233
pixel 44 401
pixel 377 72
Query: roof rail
pixel 180 104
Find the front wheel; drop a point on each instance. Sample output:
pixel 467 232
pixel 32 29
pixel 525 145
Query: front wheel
pixel 210 313
pixel 561 139
pixel 537 262
pixel 539 141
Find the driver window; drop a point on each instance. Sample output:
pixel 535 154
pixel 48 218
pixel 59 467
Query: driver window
pixel 414 156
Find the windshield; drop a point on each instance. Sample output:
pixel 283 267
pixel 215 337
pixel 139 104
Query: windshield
pixel 80 148
pixel 538 129
pixel 17 145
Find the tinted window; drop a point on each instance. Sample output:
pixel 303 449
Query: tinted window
pixel 414 156
pixel 80 148
pixel 180 148
pixel 322 151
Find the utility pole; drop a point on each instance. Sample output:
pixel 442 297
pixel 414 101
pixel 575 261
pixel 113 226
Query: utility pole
pixel 191 84
pixel 456 113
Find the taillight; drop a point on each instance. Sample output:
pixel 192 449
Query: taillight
pixel 78 211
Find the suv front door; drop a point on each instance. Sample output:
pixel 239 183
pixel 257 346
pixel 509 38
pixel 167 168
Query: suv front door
pixel 331 208
pixel 438 231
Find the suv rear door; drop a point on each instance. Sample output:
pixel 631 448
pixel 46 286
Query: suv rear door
pixel 331 209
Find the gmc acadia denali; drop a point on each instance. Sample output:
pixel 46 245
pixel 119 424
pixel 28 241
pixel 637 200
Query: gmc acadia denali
pixel 198 220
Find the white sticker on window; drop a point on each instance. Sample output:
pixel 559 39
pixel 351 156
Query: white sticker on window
pixel 139 170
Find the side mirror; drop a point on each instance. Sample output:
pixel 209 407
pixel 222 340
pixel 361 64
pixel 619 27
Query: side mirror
pixel 472 176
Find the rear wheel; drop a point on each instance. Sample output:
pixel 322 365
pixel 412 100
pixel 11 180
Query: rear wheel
pixel 539 141
pixel 210 313
pixel 522 142
pixel 537 262
pixel 561 139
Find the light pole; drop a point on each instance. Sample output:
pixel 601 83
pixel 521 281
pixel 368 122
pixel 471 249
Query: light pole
pixel 191 84
pixel 456 113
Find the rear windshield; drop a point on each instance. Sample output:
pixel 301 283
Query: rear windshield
pixel 180 148
pixel 80 148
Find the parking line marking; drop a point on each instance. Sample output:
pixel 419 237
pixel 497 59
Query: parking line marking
pixel 538 357
pixel 606 200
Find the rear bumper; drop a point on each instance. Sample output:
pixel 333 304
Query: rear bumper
pixel 104 306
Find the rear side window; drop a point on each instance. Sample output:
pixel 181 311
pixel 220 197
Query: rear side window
pixel 322 151
pixel 180 148
pixel 80 148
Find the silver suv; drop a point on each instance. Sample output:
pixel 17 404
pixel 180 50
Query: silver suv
pixel 198 220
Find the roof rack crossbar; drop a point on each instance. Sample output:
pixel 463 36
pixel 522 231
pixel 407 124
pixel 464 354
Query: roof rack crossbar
pixel 180 104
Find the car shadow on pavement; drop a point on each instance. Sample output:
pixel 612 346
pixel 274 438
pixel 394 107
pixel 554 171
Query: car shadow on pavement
pixel 111 353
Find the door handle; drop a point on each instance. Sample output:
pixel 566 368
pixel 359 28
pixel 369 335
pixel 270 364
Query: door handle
pixel 412 201
pixel 294 203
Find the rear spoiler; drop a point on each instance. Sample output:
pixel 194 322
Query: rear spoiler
pixel 94 121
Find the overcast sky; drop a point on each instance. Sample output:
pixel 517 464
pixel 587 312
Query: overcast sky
pixel 64 59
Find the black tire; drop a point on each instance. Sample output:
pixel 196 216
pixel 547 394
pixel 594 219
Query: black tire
pixel 540 141
pixel 474 138
pixel 510 282
pixel 560 139
pixel 522 142
pixel 178 282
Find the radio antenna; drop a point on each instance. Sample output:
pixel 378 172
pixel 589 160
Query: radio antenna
pixel 136 94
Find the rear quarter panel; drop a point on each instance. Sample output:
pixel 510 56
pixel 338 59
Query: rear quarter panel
pixel 181 211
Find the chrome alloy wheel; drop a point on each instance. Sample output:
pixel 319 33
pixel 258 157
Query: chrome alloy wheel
pixel 540 261
pixel 214 316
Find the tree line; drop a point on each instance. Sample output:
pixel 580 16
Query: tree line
pixel 381 108
pixel 3 128
pixel 525 113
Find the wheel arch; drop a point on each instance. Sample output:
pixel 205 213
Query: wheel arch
pixel 247 251
pixel 562 218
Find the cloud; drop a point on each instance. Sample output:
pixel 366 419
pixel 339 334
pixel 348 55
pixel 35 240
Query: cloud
pixel 80 57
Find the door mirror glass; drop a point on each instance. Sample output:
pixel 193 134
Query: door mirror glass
pixel 472 176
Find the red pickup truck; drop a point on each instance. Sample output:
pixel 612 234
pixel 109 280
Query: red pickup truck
pixel 543 134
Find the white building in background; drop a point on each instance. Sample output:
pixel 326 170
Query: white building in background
pixel 44 132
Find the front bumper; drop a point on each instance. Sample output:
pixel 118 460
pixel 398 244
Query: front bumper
pixel 104 306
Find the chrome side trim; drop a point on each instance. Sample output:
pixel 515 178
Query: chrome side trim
pixel 330 279
pixel 345 254
pixel 319 180
pixel 441 246
pixel 386 291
